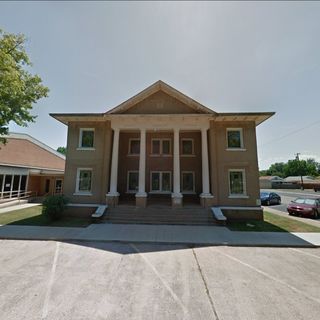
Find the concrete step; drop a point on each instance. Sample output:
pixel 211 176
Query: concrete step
pixel 165 215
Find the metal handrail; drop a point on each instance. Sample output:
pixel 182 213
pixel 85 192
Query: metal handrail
pixel 17 194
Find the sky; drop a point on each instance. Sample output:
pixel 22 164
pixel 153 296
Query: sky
pixel 229 56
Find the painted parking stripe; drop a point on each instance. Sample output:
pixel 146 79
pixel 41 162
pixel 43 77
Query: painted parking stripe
pixel 50 283
pixel 306 253
pixel 267 275
pixel 163 281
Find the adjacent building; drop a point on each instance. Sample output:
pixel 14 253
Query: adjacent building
pixel 161 146
pixel 28 166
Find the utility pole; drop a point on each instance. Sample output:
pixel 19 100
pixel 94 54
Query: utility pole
pixel 300 171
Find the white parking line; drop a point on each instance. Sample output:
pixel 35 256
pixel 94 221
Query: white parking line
pixel 268 276
pixel 50 284
pixel 164 282
pixel 306 253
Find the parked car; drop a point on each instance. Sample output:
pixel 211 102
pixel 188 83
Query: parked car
pixel 268 198
pixel 305 207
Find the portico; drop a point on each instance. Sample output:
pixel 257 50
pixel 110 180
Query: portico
pixel 176 131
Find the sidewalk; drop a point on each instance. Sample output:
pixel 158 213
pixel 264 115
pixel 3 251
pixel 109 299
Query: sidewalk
pixel 192 235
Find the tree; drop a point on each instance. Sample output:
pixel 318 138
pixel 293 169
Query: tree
pixel 19 89
pixel 296 167
pixel 313 167
pixel 62 150
pixel 277 169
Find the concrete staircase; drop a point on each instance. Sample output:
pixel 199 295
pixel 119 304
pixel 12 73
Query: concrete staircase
pixel 159 215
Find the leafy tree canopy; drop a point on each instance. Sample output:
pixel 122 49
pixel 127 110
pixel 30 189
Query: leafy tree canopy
pixel 294 167
pixel 62 150
pixel 19 89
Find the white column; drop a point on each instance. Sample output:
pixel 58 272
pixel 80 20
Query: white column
pixel 114 164
pixel 142 165
pixel 176 164
pixel 205 164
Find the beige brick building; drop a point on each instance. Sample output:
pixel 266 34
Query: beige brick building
pixel 161 146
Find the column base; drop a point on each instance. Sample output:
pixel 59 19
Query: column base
pixel 177 200
pixel 141 199
pixel 112 199
pixel 206 200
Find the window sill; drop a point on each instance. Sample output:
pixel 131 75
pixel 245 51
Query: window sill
pixel 238 196
pixel 132 191
pixel 79 193
pixel 160 155
pixel 133 154
pixel 236 149
pixel 86 149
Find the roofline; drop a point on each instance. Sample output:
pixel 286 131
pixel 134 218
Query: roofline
pixel 21 136
pixel 63 117
pixel 257 114
pixel 155 87
pixel 60 116
pixel 30 167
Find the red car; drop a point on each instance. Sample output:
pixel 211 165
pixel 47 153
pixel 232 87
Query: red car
pixel 305 207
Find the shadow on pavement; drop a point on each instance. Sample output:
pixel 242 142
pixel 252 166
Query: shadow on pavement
pixel 131 248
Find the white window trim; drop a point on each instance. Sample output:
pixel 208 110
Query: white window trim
pixel 187 155
pixel 77 191
pixel 55 186
pixel 161 148
pixel 128 173
pixel 80 139
pixel 194 183
pixel 242 148
pixel 133 154
pixel 160 182
pixel 244 182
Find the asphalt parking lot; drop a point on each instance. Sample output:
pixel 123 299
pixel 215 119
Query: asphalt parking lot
pixel 96 280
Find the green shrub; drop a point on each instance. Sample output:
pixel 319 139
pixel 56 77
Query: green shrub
pixel 53 206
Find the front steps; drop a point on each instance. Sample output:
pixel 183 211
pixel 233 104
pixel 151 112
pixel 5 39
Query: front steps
pixel 159 215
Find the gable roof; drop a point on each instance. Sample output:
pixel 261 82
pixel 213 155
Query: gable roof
pixel 164 87
pixel 196 108
pixel 23 150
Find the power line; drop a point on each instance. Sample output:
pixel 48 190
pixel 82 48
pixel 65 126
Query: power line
pixel 291 133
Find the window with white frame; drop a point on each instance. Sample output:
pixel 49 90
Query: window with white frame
pixel 58 186
pixel 187 147
pixel 234 138
pixel 133 181
pixel 134 146
pixel 84 180
pixel 237 182
pixel 160 181
pixel 160 146
pixel 188 183
pixel 86 138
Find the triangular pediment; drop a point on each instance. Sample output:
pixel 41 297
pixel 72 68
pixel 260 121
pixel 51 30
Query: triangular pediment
pixel 160 98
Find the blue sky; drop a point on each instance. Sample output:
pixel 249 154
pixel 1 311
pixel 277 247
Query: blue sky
pixel 230 56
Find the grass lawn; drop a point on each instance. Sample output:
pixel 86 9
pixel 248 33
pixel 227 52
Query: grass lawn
pixel 273 223
pixel 33 217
